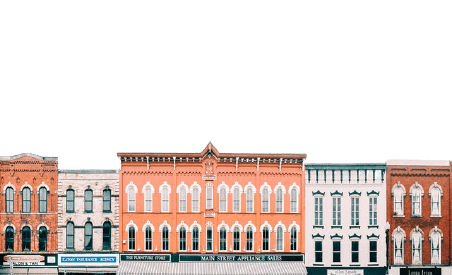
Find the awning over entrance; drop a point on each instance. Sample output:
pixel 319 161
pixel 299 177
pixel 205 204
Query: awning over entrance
pixel 217 268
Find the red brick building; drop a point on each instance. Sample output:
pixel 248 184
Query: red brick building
pixel 418 211
pixel 29 210
pixel 211 207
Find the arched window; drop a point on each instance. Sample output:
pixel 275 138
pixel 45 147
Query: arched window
pixel 435 196
pixel 435 239
pixel 209 238
pixel 249 200
pixel 148 199
pixel 70 235
pixel 398 192
pixel 223 200
pixel 26 200
pixel 293 239
pixel 279 239
pixel 265 239
pixel 107 200
pixel 88 200
pixel 88 236
pixel 70 201
pixel 9 239
pixel 131 197
pixel 195 200
pixel 236 238
pixel 398 248
pixel 279 200
pixel 148 239
pixel 249 239
pixel 223 239
pixel 236 199
pixel 42 238
pixel 195 239
pixel 42 200
pixel 165 239
pixel 265 199
pixel 294 200
pixel 416 240
pixel 106 236
pixel 165 199
pixel 26 238
pixel 416 201
pixel 131 237
pixel 9 200
pixel 182 239
pixel 183 199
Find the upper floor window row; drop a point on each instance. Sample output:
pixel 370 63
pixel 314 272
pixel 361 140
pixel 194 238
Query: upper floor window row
pixel 416 195
pixel 88 197
pixel 223 190
pixel 26 196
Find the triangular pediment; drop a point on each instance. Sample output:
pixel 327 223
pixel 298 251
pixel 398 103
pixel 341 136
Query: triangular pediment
pixel 210 150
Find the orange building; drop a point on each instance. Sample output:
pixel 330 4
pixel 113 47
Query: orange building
pixel 29 213
pixel 200 209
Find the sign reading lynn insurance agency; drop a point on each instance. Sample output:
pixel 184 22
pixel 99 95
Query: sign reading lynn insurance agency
pixel 88 259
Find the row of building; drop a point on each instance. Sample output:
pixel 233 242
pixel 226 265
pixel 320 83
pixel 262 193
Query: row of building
pixel 212 212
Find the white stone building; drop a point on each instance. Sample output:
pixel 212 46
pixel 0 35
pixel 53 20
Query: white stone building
pixel 345 218
pixel 88 219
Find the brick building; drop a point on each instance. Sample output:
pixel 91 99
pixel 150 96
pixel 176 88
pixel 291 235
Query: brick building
pixel 211 211
pixel 418 207
pixel 28 213
pixel 88 221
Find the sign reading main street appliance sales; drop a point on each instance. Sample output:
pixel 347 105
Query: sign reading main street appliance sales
pixel 240 258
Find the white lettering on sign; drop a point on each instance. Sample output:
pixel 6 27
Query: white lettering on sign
pixel 345 272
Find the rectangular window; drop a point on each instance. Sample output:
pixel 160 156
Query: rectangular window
pixel 373 211
pixel 336 251
pixel 318 208
pixel 195 239
pixel 237 239
pixel 249 200
pixel 318 252
pixel 223 240
pixel 373 251
pixel 26 200
pixel 165 200
pixel 183 200
pixel 107 200
pixel 209 239
pixel 9 200
pixel 355 211
pixel 355 251
pixel 336 211
pixel 209 197
pixel 279 200
pixel 148 239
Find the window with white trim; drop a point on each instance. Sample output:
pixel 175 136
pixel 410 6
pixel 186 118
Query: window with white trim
pixel 195 239
pixel 26 200
pixel 183 199
pixel 336 251
pixel 355 251
pixel 294 200
pixel 9 200
pixel 373 210
pixel 132 237
pixel 435 241
pixel 337 212
pixel 148 239
pixel 195 200
pixel 318 211
pixel 416 241
pixel 182 239
pixel 373 249
pixel 398 247
pixel 249 238
pixel 293 239
pixel 279 239
pixel 209 239
pixel 236 199
pixel 223 239
pixel 148 199
pixel 318 248
pixel 236 237
pixel 266 239
pixel 416 201
pixel 165 238
pixel 249 200
pixel 223 200
pixel 131 198
pixel 398 193
pixel 435 198
pixel 354 212
pixel 165 199
pixel 279 200
pixel 209 197
pixel 265 200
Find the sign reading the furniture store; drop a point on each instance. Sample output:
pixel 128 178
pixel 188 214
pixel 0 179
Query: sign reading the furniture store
pixel 240 258
pixel 146 257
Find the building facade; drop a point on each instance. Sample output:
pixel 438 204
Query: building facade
pixel 418 208
pixel 28 213
pixel 211 210
pixel 88 221
pixel 346 218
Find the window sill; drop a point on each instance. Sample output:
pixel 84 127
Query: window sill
pixel 318 226
pixel 373 265
pixel 355 226
pixel 398 216
pixel 336 226
pixel 70 211
pixel 91 211
pixel 355 265
pixel 435 216
pixel 373 226
pixel 336 264
pixel 105 211
pixel 318 264
pixel 416 216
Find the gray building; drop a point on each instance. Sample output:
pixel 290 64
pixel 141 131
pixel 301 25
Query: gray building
pixel 88 220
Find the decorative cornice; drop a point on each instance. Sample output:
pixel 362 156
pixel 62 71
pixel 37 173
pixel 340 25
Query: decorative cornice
pixel 373 236
pixel 318 193
pixel 354 193
pixel 354 236
pixel 318 236
pixel 373 192
pixel 336 236
pixel 335 193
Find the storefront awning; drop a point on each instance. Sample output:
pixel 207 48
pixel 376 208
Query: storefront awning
pixel 30 271
pixel 225 268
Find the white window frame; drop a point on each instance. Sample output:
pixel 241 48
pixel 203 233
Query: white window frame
pixel 183 191
pixel 207 240
pixel 235 200
pixel 195 202
pixel 416 236
pixel 167 226
pixel 283 191
pixel 353 251
pixel 398 237
pixel 250 190
pixel 279 239
pixel 266 199
pixel 435 199
pixel 416 193
pixel 398 193
pixel 376 251
pixel 266 226
pixel 435 233
pixel 354 210
pixel 318 210
pixel 253 230
pixel 296 227
pixel 337 210
pixel 129 187
pixel 147 187
pixel 373 210
pixel 294 188
pixel 209 196
pixel 165 203
pixel 333 251
pixel 199 237
pixel 223 190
